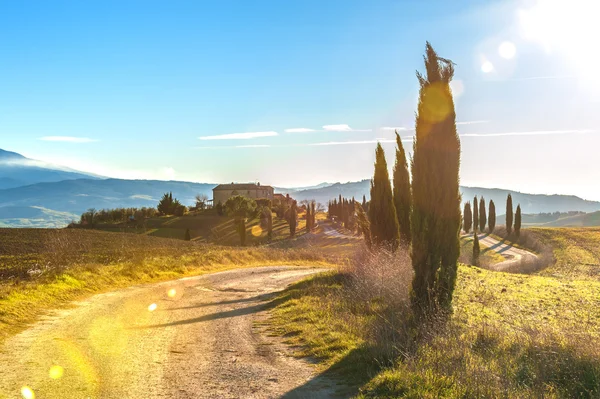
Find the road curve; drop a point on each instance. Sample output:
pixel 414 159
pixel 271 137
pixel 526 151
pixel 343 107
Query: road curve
pixel 513 256
pixel 199 337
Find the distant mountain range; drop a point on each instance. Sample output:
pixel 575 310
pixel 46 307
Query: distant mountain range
pixel 33 194
pixel 17 171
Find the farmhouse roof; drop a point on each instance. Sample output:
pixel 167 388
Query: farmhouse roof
pixel 241 186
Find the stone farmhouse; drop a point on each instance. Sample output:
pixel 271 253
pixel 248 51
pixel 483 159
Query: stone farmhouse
pixel 223 192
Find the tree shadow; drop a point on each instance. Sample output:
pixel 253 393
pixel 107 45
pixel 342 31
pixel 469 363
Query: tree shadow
pixel 257 298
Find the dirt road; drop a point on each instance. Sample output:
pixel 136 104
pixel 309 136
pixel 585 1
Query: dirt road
pixel 514 256
pixel 199 337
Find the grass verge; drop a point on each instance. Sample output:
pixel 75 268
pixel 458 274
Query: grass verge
pixel 517 336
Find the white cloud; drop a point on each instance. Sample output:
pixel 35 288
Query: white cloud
pixel 239 136
pixel 531 133
pixel 342 128
pixel 167 173
pixel 253 146
pixel 384 141
pixel 392 128
pixel 68 139
pixel 471 122
pixel 299 130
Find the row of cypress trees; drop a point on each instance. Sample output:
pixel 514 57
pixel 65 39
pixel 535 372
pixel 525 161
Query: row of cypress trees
pixel 424 215
pixel 476 218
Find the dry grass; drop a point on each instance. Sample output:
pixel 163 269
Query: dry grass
pixel 46 269
pixel 510 336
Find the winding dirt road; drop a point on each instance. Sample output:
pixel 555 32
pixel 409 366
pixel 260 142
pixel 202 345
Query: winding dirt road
pixel 514 256
pixel 199 337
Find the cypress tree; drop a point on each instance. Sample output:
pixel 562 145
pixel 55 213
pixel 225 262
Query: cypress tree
pixel 475 214
pixel 364 203
pixel 518 221
pixel 292 218
pixel 467 217
pixel 476 249
pixel 509 214
pixel 492 217
pixel 382 212
pixel 436 216
pixel 308 219
pixel 402 198
pixel 188 236
pixel 313 213
pixel 482 216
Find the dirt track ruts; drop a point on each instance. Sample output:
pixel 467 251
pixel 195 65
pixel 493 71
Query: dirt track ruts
pixel 205 339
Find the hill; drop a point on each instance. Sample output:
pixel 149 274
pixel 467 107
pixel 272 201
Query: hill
pixel 17 170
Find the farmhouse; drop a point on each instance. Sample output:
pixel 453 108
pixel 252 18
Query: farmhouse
pixel 223 192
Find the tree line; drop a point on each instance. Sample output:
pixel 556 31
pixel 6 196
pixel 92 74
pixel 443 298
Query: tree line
pixel 477 220
pixel 422 214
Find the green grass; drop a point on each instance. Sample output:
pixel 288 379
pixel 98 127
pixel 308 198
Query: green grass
pixel 510 335
pixel 46 269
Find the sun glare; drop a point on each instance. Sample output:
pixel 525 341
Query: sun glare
pixel 487 67
pixel 56 372
pixel 568 28
pixel 27 393
pixel 152 307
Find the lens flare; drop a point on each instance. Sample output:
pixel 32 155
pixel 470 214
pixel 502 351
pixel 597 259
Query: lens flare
pixel 256 231
pixel 27 393
pixel 507 50
pixel 487 67
pixel 152 307
pixel 171 293
pixel 56 372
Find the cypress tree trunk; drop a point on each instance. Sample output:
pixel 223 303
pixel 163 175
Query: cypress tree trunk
pixel 402 198
pixel 382 212
pixel 509 214
pixel 492 217
pixel 436 213
pixel 468 217
pixel 475 214
pixel 518 221
pixel 482 217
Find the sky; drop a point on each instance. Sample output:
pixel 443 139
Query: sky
pixel 295 93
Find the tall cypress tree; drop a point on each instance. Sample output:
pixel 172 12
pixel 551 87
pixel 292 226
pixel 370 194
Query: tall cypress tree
pixel 518 221
pixel 402 198
pixel 475 214
pixel 364 203
pixel 467 217
pixel 308 219
pixel 435 168
pixel 492 217
pixel 509 214
pixel 382 212
pixel 482 216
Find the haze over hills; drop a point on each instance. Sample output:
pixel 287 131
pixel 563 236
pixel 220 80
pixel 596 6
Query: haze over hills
pixel 17 170
pixel 35 194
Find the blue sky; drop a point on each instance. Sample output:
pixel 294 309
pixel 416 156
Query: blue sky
pixel 296 93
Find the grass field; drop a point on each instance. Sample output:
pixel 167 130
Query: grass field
pixel 510 336
pixel 206 227
pixel 45 269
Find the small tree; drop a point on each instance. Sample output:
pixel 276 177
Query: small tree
pixel 518 221
pixel 313 212
pixel 220 209
pixel 509 214
pixel 492 217
pixel 308 219
pixel 475 214
pixel 364 225
pixel 240 208
pixel 201 200
pixel 467 217
pixel 482 216
pixel 292 218
pixel 476 249
pixel 188 236
pixel 402 196
pixel 382 212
